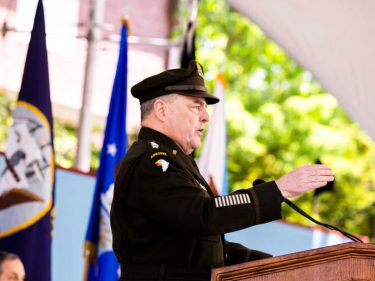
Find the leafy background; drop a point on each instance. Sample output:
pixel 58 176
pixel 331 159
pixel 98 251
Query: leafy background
pixel 279 118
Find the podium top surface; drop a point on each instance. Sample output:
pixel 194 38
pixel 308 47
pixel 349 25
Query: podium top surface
pixel 310 258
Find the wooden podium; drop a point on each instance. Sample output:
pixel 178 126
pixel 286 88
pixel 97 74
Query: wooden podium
pixel 344 262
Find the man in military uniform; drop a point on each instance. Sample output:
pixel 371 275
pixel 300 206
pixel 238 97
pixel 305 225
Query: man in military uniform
pixel 166 222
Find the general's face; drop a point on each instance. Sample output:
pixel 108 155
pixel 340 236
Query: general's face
pixel 12 270
pixel 186 119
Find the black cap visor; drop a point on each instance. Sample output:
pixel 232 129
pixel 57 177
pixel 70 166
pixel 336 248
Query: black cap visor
pixel 210 99
pixel 193 91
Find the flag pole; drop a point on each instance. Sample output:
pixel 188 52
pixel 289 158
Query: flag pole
pixel 89 254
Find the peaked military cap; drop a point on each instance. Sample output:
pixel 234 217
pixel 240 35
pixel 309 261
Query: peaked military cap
pixel 184 81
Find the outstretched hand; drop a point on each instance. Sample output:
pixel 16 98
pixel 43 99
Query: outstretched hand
pixel 304 179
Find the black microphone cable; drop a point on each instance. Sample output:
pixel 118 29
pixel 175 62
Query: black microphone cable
pixel 303 213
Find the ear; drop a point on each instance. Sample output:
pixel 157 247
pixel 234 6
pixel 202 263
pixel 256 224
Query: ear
pixel 159 109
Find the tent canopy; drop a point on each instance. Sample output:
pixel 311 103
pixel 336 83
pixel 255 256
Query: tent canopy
pixel 334 40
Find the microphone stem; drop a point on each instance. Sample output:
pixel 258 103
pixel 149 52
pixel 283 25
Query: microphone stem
pixel 303 213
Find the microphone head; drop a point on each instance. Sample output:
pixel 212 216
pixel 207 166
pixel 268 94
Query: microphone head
pixel 258 181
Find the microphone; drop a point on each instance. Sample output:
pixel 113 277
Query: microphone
pixel 258 181
pixel 303 213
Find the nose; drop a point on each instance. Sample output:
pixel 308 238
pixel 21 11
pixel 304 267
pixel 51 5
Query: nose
pixel 204 116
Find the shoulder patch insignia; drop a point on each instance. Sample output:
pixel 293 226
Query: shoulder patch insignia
pixel 154 144
pixel 160 153
pixel 160 159
pixel 164 164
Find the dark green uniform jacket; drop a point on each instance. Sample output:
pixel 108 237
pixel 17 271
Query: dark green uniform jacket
pixel 163 212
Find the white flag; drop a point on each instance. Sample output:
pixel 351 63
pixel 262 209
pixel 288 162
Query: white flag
pixel 212 160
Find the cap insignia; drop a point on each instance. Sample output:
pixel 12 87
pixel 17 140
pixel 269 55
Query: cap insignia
pixel 199 69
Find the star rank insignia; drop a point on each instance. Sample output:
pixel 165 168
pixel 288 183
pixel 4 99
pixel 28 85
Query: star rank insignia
pixel 154 144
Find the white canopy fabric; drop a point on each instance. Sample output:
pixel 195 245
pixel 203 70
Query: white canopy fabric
pixel 333 39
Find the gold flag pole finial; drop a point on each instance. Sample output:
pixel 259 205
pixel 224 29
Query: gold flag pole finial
pixel 125 21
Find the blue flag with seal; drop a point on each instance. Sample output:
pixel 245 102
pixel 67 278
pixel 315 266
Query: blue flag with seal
pixel 27 180
pixel 101 263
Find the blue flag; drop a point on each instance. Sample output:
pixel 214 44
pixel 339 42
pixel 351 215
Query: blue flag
pixel 101 263
pixel 27 181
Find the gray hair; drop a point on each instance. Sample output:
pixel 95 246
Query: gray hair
pixel 5 256
pixel 146 107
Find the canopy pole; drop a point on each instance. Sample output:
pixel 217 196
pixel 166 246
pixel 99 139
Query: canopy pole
pixel 94 34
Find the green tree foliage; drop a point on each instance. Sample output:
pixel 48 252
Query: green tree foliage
pixel 279 118
pixel 6 110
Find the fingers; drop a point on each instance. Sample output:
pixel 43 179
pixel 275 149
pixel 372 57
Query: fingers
pixel 315 184
pixel 304 178
pixel 317 169
pixel 321 178
pixel 319 173
pixel 317 176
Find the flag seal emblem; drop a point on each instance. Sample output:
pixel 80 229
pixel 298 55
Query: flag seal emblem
pixel 28 174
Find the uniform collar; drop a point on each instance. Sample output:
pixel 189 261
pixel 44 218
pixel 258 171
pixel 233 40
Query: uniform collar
pixel 153 135
pixel 158 137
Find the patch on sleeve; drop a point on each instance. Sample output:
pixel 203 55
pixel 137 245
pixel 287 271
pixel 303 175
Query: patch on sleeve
pixel 232 200
pixel 160 160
